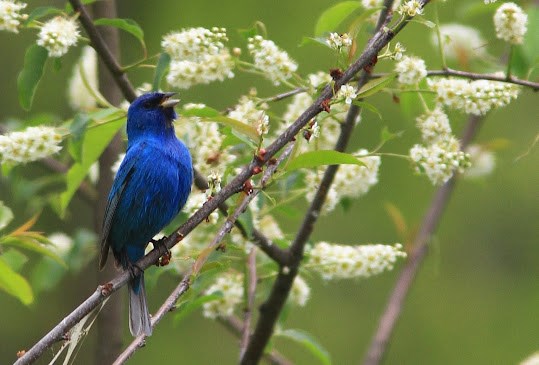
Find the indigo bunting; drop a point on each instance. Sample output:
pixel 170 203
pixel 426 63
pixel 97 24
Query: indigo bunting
pixel 150 188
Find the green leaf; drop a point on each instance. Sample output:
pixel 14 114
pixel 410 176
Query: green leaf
pixel 332 17
pixel 313 40
pixel 386 135
pixel 211 115
pixel 31 244
pixel 77 129
pixel 14 259
pixel 309 342
pixel 374 86
pixel 322 157
pixel 160 70
pixel 246 220
pixel 40 12
pixel 186 308
pixel 128 25
pixel 14 284
pixel 519 62
pixel 95 141
pixel 6 215
pixel 34 62
pixel 370 107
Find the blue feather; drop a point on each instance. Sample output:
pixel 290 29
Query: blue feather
pixel 150 188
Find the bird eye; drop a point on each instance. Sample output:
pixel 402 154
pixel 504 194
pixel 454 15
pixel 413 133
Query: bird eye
pixel 148 105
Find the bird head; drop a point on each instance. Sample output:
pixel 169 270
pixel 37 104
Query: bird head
pixel 151 113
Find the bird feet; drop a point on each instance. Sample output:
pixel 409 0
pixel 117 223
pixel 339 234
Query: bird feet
pixel 165 254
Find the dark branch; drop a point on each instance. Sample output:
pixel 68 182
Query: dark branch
pixel 395 302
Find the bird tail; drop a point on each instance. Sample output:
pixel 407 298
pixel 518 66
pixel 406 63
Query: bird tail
pixel 139 317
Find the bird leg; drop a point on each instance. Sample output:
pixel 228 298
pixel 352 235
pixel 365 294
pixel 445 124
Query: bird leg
pixel 164 252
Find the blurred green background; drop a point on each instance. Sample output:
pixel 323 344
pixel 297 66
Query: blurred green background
pixel 476 299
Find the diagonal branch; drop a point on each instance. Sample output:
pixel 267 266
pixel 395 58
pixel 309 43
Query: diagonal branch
pixel 183 286
pixel 395 302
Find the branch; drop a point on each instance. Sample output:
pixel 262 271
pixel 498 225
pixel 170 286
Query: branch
pixel 251 292
pixel 201 260
pixel 235 325
pixel 477 76
pixel 104 52
pixel 395 302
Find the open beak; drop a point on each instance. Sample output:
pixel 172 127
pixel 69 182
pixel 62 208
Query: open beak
pixel 168 102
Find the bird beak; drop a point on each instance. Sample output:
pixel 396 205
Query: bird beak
pixel 167 102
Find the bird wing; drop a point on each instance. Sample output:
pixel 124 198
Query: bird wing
pixel 120 182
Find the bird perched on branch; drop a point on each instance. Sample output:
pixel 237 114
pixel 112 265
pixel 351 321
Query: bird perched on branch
pixel 150 188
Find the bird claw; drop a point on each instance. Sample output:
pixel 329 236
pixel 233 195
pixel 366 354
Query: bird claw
pixel 164 252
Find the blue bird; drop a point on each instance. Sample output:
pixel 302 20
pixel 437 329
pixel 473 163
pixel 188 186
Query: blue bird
pixel 150 188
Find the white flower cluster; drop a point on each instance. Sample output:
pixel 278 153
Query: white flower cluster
pixel 510 23
pixel 230 285
pixel 58 34
pixel 334 261
pixel 300 293
pixel 351 181
pixel 29 145
pixel 248 112
pixel 440 159
pixel 482 160
pixel 79 97
pixel 198 56
pixel 272 61
pixel 10 16
pixel 348 93
pixel 489 1
pixel 411 8
pixel 460 42
pixel 411 70
pixel 434 125
pixel 204 141
pixel 398 52
pixel 339 41
pixel 473 97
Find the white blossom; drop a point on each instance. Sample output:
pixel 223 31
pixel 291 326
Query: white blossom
pixel 78 95
pixel 339 41
pixel 398 52
pixel 439 160
pixel 482 162
pixel 58 34
pixel 248 112
pixel 473 97
pixel 272 61
pixel 411 8
pixel 460 42
pixel 230 285
pixel 510 23
pixel 214 183
pixel 198 56
pixel 116 165
pixel 300 293
pixel 434 125
pixel 334 261
pixel 347 92
pixel 204 141
pixel 29 145
pixel 533 359
pixel 351 181
pixel 411 70
pixel 10 15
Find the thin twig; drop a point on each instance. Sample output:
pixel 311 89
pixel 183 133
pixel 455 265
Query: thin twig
pixel 477 76
pixel 185 283
pixel 251 292
pixel 235 325
pixel 395 302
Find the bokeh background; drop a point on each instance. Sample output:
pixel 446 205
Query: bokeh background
pixel 476 298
